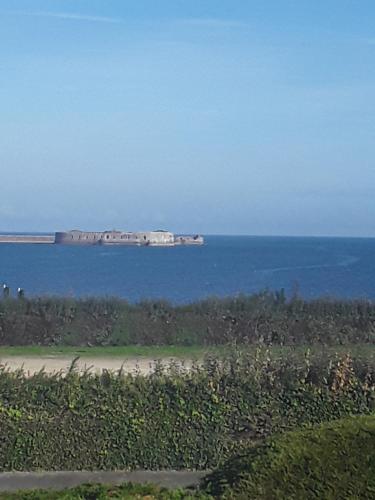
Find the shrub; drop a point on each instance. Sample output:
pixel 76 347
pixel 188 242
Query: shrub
pixel 333 460
pixel 100 492
pixel 177 419
pixel 264 319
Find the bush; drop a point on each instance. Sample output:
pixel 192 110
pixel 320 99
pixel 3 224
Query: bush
pixel 173 420
pixel 264 319
pixel 100 492
pixel 333 460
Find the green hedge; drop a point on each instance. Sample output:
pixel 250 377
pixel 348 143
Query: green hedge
pixel 334 460
pixel 100 492
pixel 265 318
pixel 174 420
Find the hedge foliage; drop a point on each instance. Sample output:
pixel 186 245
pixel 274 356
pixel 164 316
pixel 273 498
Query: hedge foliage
pixel 127 491
pixel 264 318
pixel 333 461
pixel 175 420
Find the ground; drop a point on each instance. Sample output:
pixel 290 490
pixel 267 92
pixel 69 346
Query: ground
pixel 141 359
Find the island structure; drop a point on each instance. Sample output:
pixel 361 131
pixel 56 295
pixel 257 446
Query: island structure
pixel 159 238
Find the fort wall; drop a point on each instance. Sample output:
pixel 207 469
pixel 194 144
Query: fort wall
pixel 189 240
pixel 145 238
pixel 76 237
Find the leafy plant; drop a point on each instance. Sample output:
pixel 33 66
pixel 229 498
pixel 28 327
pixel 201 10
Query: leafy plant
pixel 173 418
pixel 267 318
pixel 332 460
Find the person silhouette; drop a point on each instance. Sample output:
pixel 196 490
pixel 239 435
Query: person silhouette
pixel 6 291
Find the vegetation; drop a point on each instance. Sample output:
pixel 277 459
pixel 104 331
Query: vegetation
pixel 133 351
pixel 99 492
pixel 330 461
pixel 247 410
pixel 198 417
pixel 266 318
pixel 361 352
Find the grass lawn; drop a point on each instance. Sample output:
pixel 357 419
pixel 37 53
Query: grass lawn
pixel 366 351
pixel 132 351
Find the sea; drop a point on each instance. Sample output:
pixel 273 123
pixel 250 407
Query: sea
pixel 225 266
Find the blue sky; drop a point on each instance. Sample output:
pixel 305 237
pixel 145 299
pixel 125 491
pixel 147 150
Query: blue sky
pixel 226 117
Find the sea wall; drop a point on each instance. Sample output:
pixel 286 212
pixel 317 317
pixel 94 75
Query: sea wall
pixel 20 238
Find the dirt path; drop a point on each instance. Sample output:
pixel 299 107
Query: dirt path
pixel 53 364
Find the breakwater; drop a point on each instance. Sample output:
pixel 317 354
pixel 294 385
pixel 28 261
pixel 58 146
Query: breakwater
pixel 23 238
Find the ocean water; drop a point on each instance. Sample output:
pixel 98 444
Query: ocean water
pixel 226 265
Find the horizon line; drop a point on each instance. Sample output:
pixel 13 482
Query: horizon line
pixel 233 235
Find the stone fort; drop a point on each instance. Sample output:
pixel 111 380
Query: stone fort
pixel 148 238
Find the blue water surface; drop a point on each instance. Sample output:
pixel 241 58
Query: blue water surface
pixel 226 265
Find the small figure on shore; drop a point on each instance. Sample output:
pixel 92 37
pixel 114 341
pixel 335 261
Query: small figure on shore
pixel 6 291
pixel 20 293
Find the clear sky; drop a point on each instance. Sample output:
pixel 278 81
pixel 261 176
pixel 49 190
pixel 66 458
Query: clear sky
pixel 212 116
